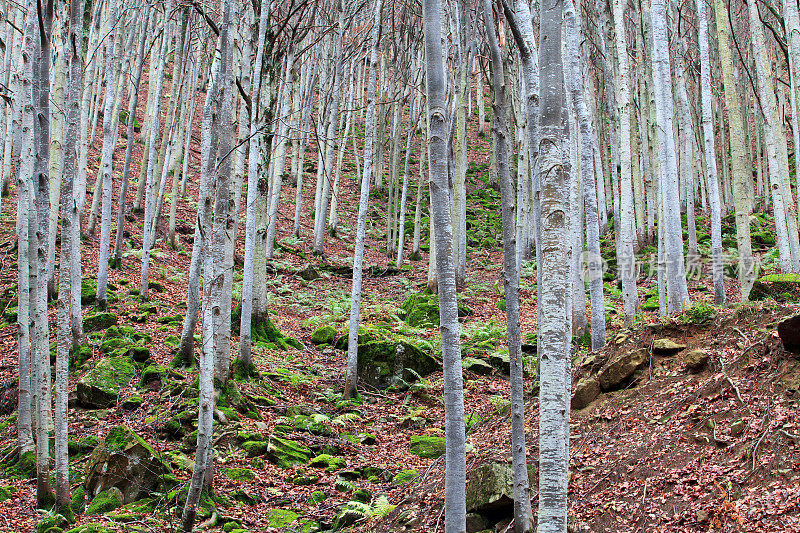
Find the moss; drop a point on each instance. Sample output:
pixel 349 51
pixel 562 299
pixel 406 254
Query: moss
pixel 90 528
pixel 428 447
pixel 78 503
pixel 132 403
pixel 254 448
pixel 316 497
pixel 281 517
pixel 328 462
pixel 404 476
pixel 362 495
pixel 82 445
pixel 171 320
pixel 104 502
pixel 324 335
pixel 241 371
pixel 240 474
pixel 151 374
pixel 140 354
pixel 286 453
pixel 52 524
pixel 79 355
pixel 88 291
pixel 101 386
pixel 99 321
pixel 173 340
pixel 7 492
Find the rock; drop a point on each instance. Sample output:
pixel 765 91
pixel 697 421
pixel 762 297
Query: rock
pixel 126 462
pixel 140 354
pixel 152 376
pixel 105 501
pixel 428 447
pixel 737 428
pixel 422 310
pixel 666 347
pixel 696 360
pixel 100 387
pixel 586 390
pixel 240 474
pixel 309 273
pixel 386 363
pixel 780 287
pixel 328 462
pixel 477 365
pixel 324 335
pixel 404 476
pixel 789 333
pixel 501 361
pixel 490 489
pixel 286 453
pixel 7 492
pixel 132 403
pixel 614 375
pixel 476 523
pixel 99 321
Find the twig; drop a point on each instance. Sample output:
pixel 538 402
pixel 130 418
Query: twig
pixel 730 381
pixel 789 435
pixel 758 443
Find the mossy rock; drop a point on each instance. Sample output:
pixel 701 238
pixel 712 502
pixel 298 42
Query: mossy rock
pixel 286 453
pixel 240 474
pixel 317 497
pixel 780 287
pixel 82 445
pixel 280 518
pixel 427 446
pixel 79 355
pixel 99 322
pixel 127 463
pixel 132 403
pixel 324 335
pixel 52 524
pixel 140 354
pixel 78 502
pixel 100 387
pixel 151 375
pixel 405 476
pixel 253 448
pixel 387 363
pixel 88 291
pixel 104 502
pixel 328 462
pixel 172 320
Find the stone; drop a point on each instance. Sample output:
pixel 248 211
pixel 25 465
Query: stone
pixel 490 489
pixel 780 287
pixel 615 375
pixel 99 322
pixel 286 453
pixel 477 365
pixel 476 523
pixel 100 387
pixel 386 363
pixel 586 390
pixel 667 347
pixel 126 462
pixel 737 428
pixel 132 403
pixel 501 361
pixel 328 462
pixel 140 354
pixel 428 447
pixel 105 501
pixel 309 273
pixel 422 310
pixel 404 476
pixel 324 335
pixel 789 333
pixel 696 360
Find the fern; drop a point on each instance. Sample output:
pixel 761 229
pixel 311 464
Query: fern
pixel 381 507
pixel 347 418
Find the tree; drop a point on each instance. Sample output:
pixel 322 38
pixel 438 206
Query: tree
pixel 553 269
pixel 523 516
pixel 455 460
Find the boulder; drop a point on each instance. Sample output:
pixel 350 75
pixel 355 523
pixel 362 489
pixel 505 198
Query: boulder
pixel 126 462
pixel 667 347
pixel 428 447
pixel 780 287
pixel 323 335
pixel 100 387
pixel 586 390
pixel 789 333
pixel 385 363
pixel 309 273
pixel 490 490
pixel 615 375
pixel 477 365
pixel 696 360
pixel 422 310
pixel 286 453
pixel 99 321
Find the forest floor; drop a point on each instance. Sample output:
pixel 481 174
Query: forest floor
pixel 674 449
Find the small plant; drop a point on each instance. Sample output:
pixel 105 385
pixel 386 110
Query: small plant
pixel 698 314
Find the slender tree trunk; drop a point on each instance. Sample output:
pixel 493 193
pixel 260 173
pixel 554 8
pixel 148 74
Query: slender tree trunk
pixel 455 456
pixel 553 269
pixel 523 516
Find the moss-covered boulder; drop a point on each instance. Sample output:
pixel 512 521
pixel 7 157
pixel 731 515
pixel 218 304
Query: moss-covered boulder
pixel 490 489
pixel 404 476
pixel 240 474
pixel 99 322
pixel 105 501
pixel 779 287
pixel 385 363
pixel 286 453
pixel 667 347
pixel 328 462
pixel 427 446
pixel 618 372
pixel 422 310
pixel 90 528
pixel 477 365
pixel 7 492
pixel 324 335
pixel 126 462
pixel 100 387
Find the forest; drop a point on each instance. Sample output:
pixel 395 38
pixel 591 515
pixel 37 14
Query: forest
pixel 459 266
